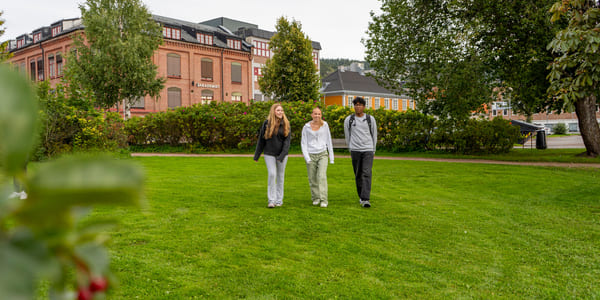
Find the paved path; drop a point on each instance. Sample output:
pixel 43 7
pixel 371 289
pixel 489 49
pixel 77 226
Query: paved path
pixel 477 161
pixel 570 141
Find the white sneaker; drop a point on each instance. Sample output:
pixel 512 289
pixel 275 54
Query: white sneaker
pixel 23 195
pixel 316 202
pixel 14 195
pixel 323 204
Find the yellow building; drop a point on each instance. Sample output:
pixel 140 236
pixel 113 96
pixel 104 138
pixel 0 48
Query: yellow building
pixel 341 87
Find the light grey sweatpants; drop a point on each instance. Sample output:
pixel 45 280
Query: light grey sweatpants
pixel 276 170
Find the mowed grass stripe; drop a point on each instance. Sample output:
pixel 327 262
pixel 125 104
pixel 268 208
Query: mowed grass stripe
pixel 436 230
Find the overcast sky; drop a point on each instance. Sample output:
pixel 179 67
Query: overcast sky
pixel 338 25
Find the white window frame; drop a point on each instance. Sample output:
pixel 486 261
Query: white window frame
pixel 172 33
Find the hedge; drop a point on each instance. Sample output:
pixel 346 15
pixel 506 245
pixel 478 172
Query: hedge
pixel 227 126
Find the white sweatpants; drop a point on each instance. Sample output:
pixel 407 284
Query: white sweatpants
pixel 276 172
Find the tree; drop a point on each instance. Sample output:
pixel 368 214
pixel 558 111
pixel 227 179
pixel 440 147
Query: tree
pixel 291 74
pixel 513 35
pixel 422 48
pixel 4 54
pixel 116 62
pixel 574 74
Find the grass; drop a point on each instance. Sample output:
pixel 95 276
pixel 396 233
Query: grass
pixel 516 154
pixel 436 230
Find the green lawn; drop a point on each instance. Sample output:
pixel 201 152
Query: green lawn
pixel 436 230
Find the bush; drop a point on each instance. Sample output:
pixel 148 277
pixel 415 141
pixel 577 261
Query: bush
pixel 229 126
pixel 560 128
pixel 70 124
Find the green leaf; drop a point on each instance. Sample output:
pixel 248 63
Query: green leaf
pixel 81 181
pixel 18 111
pixel 23 261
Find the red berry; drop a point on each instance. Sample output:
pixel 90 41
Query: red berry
pixel 98 284
pixel 84 294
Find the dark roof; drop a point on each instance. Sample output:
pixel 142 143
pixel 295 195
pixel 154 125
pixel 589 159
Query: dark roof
pixel 264 34
pixel 189 30
pixel 232 25
pixel 526 127
pixel 347 81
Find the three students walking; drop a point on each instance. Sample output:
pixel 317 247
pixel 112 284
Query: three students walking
pixel 360 131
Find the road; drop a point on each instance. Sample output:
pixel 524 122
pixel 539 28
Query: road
pixel 571 141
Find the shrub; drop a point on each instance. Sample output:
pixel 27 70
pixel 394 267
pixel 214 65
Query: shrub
pixel 69 123
pixel 560 128
pixel 228 126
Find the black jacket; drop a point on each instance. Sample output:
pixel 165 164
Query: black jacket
pixel 278 145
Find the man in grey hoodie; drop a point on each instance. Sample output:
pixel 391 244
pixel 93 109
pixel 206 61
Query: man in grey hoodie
pixel 360 130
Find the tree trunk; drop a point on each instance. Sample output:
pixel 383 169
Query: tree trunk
pixel 590 131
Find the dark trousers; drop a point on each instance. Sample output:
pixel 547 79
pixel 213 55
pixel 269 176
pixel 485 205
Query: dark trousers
pixel 362 162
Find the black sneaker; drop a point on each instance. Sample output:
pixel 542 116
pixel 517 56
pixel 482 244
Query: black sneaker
pixel 366 204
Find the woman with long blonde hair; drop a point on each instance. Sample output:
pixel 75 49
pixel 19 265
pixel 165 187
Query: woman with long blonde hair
pixel 274 141
pixel 316 147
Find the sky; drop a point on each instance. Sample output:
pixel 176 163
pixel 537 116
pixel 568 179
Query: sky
pixel 339 25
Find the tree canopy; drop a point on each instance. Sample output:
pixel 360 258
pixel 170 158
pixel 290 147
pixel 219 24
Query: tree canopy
pixel 291 74
pixel 4 54
pixel 422 48
pixel 574 74
pixel 115 60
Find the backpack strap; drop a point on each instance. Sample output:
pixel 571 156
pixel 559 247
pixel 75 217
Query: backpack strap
pixel 352 117
pixel 369 123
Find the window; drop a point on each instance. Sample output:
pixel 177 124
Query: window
pixel 236 96
pixel 505 112
pixel 235 44
pixel 377 103
pixel 573 127
pixel 236 72
pixel 204 38
pixel 411 104
pixel 350 99
pixel 494 112
pixel 40 69
pixel 37 37
pixel 51 66
pixel 258 71
pixel 386 102
pixel 315 56
pixel 173 65
pixel 56 30
pixel 20 43
pixel 368 102
pixel 207 96
pixel 172 33
pixel 206 69
pixel 261 49
pixel 404 104
pixel 59 65
pixel 138 102
pixel 174 97
pixel 394 104
pixel 32 69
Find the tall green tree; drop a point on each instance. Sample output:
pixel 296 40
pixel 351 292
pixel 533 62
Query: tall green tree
pixel 4 54
pixel 115 60
pixel 420 42
pixel 574 74
pixel 421 47
pixel 513 35
pixel 291 74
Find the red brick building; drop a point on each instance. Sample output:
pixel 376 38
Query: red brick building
pixel 201 63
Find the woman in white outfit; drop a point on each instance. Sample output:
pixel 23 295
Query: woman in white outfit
pixel 274 141
pixel 316 146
